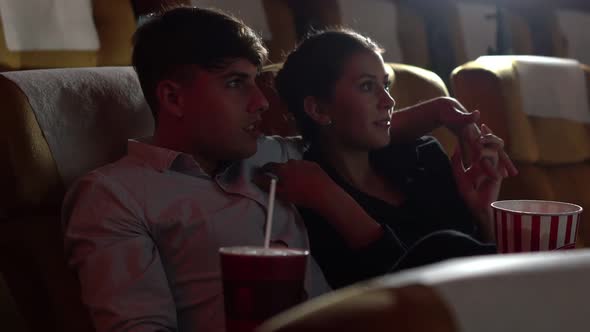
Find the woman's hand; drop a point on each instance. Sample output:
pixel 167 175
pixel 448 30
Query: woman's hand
pixel 479 183
pixel 453 115
pixel 472 142
pixel 462 123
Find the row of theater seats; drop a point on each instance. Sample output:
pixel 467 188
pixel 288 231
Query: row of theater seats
pixel 436 35
pixel 40 159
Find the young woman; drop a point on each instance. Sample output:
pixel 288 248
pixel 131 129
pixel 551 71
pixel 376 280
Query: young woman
pixel 373 199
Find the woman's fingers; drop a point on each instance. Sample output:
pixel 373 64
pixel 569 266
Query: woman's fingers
pixel 489 140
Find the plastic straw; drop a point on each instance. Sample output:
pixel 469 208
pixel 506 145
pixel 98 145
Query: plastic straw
pixel 271 205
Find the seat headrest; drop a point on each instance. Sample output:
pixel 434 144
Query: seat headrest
pixel 65 122
pixel 548 112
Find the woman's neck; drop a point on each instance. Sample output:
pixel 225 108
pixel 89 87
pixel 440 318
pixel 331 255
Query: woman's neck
pixel 354 166
pixel 351 164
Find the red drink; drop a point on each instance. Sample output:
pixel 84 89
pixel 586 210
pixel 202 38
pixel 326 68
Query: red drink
pixel 259 283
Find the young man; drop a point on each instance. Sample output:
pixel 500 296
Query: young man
pixel 143 233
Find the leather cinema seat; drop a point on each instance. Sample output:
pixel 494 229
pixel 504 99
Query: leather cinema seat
pixel 540 292
pixel 115 23
pixel 56 125
pixel 551 153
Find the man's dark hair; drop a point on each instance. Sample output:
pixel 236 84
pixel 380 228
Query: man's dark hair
pixel 169 42
pixel 314 67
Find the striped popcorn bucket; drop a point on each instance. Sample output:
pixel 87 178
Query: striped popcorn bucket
pixel 528 225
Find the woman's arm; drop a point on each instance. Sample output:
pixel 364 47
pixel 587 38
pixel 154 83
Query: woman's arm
pixel 347 243
pixel 305 184
pixel 343 265
pixel 415 121
pixel 418 120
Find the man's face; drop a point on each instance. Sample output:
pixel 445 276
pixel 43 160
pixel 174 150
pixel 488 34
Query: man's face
pixel 221 112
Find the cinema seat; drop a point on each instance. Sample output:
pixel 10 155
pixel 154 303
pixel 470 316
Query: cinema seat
pixel 551 152
pixel 56 125
pixel 115 24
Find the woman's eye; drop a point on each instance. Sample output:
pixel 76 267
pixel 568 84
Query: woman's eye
pixel 387 86
pixel 367 86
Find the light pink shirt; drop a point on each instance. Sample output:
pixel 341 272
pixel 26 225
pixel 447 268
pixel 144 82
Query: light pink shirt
pixel 144 233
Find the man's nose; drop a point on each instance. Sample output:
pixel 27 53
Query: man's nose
pixel 259 103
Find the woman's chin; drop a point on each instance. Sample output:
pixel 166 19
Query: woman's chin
pixel 379 142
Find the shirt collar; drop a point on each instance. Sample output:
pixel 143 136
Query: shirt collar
pixel 163 159
pixel 159 158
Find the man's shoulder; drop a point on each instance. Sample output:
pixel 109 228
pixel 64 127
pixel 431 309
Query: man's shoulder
pixel 111 182
pixel 278 149
pixel 117 175
pixel 122 169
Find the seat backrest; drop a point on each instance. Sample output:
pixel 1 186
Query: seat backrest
pixel 488 29
pixel 272 19
pixel 378 19
pixel 393 24
pixel 115 23
pixel 59 124
pixel 551 150
pixel 412 308
pixel 525 292
pixel 573 25
pixel 56 125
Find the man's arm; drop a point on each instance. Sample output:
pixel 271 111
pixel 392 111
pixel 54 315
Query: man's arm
pixel 122 279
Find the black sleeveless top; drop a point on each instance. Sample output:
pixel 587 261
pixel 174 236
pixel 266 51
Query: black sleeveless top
pixel 432 203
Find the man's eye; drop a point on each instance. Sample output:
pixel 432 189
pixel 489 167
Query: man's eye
pixel 235 83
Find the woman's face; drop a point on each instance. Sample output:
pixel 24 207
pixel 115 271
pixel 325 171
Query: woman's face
pixel 360 107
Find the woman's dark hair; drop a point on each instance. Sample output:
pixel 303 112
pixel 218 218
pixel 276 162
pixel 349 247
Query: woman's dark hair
pixel 170 41
pixel 313 68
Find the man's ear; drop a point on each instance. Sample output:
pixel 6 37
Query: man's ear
pixel 311 106
pixel 170 98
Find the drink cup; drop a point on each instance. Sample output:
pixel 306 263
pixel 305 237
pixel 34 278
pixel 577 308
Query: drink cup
pixel 259 283
pixel 530 225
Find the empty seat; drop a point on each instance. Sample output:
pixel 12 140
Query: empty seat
pixel 541 292
pixel 272 19
pixel 393 24
pixel 462 30
pixel 115 23
pixel 550 148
